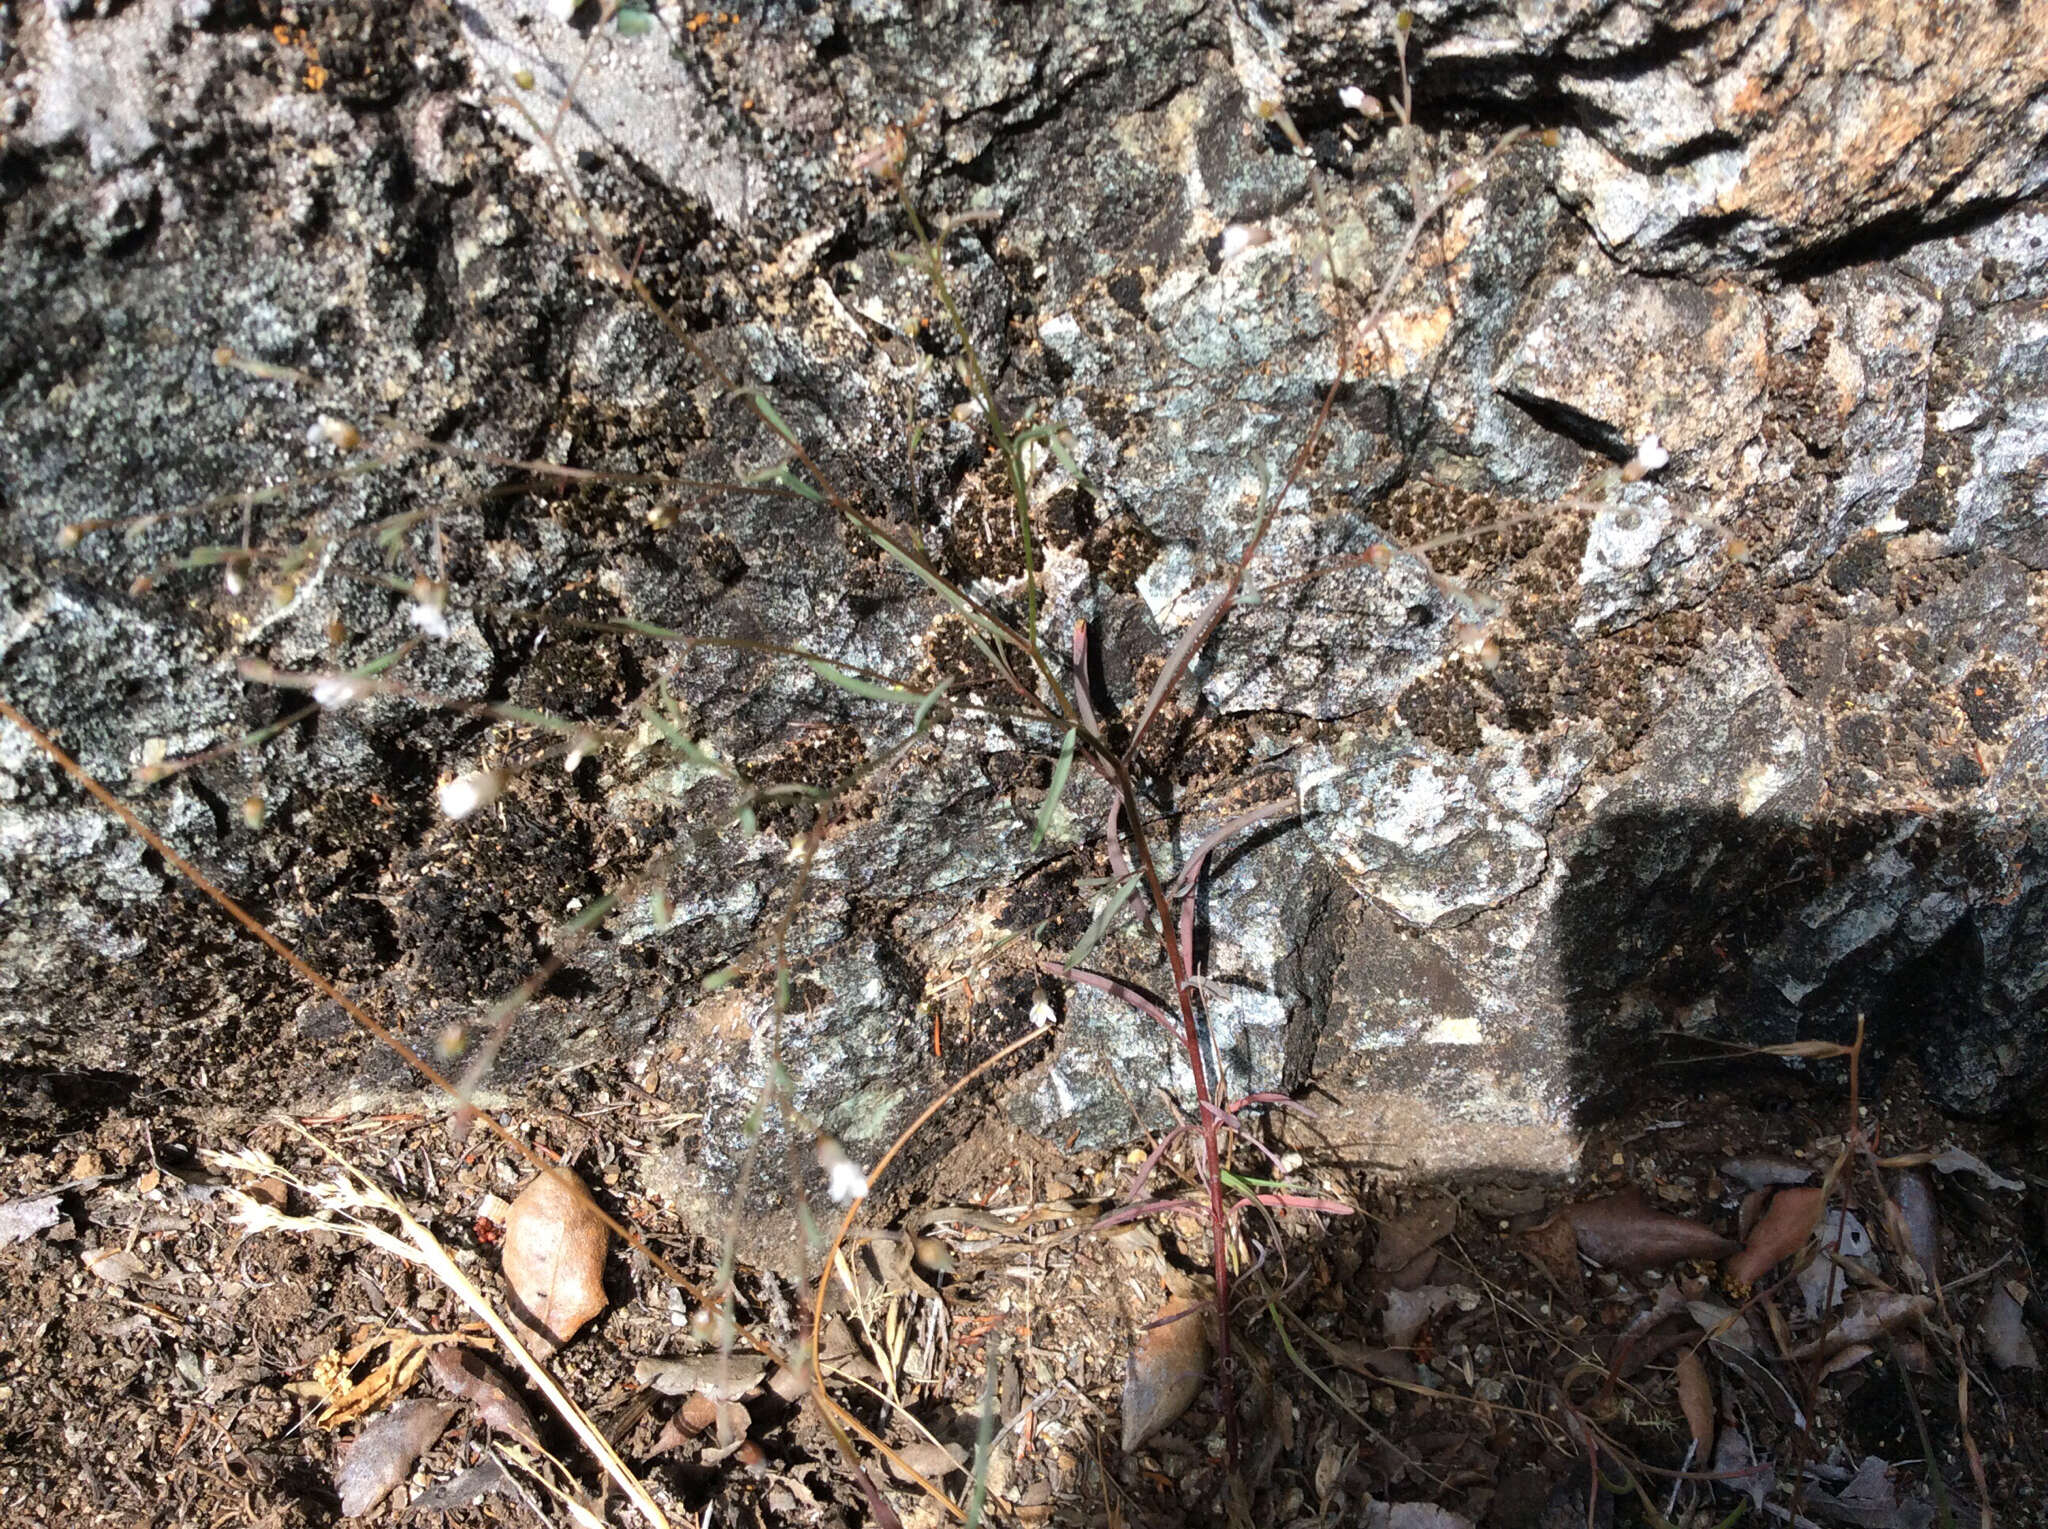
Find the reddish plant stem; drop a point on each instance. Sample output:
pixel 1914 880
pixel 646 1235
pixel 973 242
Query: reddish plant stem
pixel 1191 1039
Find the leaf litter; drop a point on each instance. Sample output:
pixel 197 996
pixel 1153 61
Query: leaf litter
pixel 1503 1329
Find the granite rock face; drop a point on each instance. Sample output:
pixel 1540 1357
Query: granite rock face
pixel 1741 746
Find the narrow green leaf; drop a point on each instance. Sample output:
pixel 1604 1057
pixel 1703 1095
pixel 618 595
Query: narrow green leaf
pixel 721 979
pixel 634 23
pixel 648 629
pixel 766 409
pixel 924 707
pixel 867 689
pixel 785 476
pixel 1060 771
pixel 952 596
pixel 1103 920
pixel 1056 440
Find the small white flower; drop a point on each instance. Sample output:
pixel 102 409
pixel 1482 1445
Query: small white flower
pixel 579 750
pixel 844 1180
pixel 429 610
pixel 1354 99
pixel 1650 453
pixel 430 619
pixel 466 793
pixel 1041 1008
pixel 847 1183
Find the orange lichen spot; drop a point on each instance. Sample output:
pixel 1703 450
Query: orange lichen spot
pixel 316 77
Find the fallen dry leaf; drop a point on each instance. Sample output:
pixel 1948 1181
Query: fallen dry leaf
pixel 1912 1222
pixel 1724 1326
pixel 1956 1160
pixel 1165 1372
pixel 384 1454
pixel 1412 1515
pixel 464 1373
pixel 2005 1337
pixel 116 1266
pixel 1407 1310
pixel 1554 1248
pixel 1414 1232
pixel 22 1219
pixel 1848 1359
pixel 1696 1401
pixel 343 1399
pixel 1737 1467
pixel 932 1461
pixel 1766 1172
pixel 1622 1231
pixel 1781 1233
pixel 722 1377
pixel 1866 1315
pixel 1824 1281
pixel 554 1255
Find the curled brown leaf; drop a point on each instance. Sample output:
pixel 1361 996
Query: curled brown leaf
pixel 464 1373
pixel 1782 1231
pixel 384 1454
pixel 1623 1231
pixel 1165 1372
pixel 1696 1401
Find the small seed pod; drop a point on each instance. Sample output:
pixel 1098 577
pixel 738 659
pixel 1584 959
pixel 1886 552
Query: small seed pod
pixel 338 433
pixel 1240 237
pixel 235 574
pixel 283 592
pixel 337 631
pixel 1379 555
pixel 70 535
pixel 340 689
pixel 252 811
pixel 140 585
